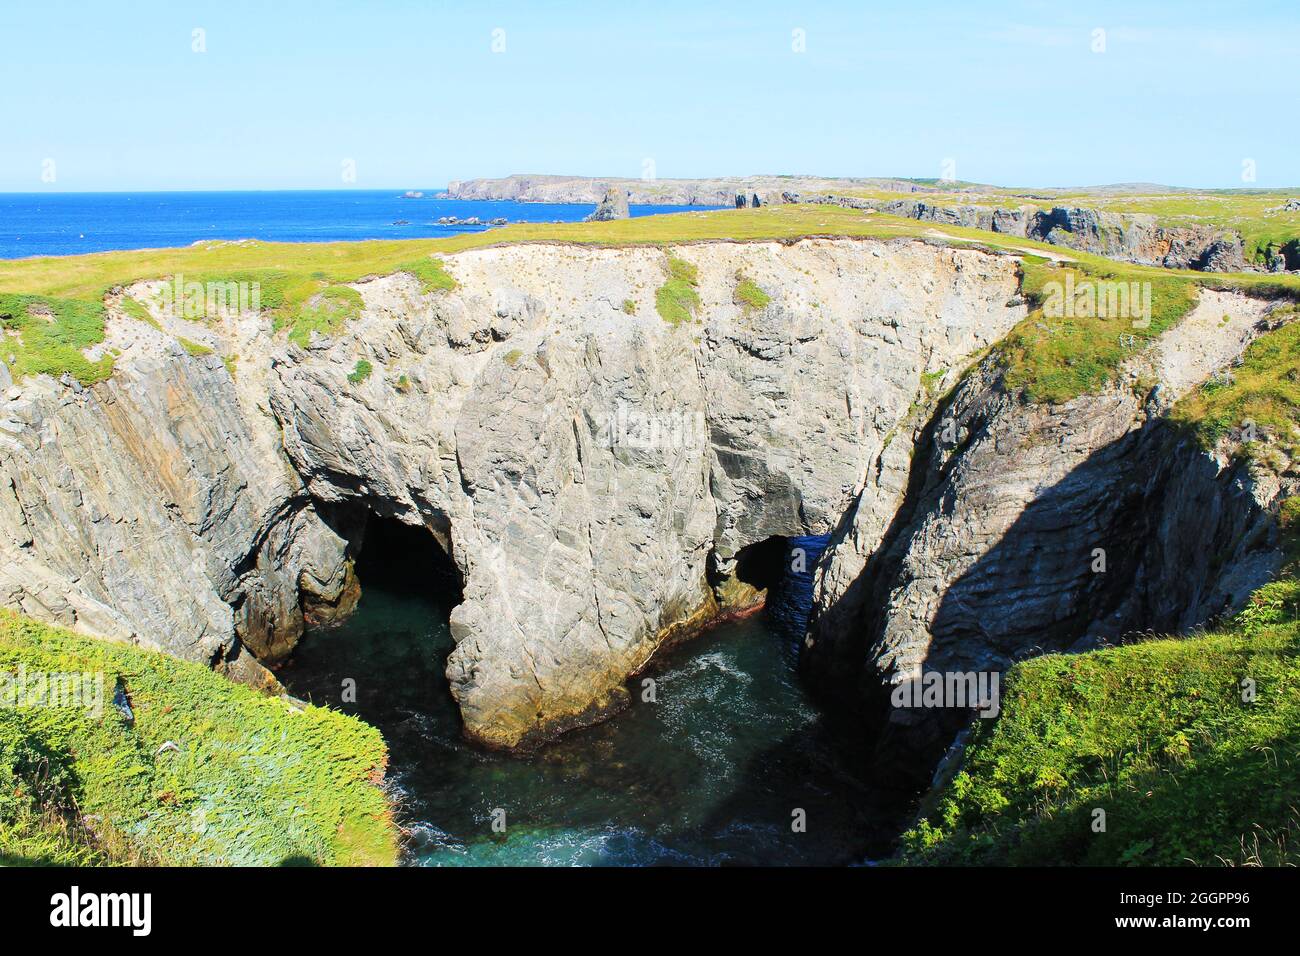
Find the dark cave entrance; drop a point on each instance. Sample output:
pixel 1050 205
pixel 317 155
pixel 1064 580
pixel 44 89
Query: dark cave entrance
pixel 1291 255
pixel 394 556
pixel 762 565
pixel 385 660
pixel 786 568
pixel 706 774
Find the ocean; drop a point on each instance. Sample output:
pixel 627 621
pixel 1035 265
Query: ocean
pixel 64 224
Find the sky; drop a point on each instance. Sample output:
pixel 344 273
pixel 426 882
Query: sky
pixel 371 94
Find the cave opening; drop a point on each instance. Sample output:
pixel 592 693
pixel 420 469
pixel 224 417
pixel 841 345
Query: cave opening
pixel 1291 255
pixel 385 661
pixel 395 556
pixel 784 567
pixel 762 564
pixel 704 771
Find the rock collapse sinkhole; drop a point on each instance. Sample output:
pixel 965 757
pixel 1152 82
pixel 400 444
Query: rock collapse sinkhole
pixel 863 412
pixel 706 765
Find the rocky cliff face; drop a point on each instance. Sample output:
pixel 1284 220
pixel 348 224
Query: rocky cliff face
pixel 661 192
pixel 1019 529
pixel 1130 237
pixel 592 473
pixel 595 472
pixel 613 205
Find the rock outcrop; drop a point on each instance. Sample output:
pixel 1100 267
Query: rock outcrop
pixel 594 474
pixel 613 205
pixel 663 192
pixel 1020 529
pixel 1135 238
pixel 597 473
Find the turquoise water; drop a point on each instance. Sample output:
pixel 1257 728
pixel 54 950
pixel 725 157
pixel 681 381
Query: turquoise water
pixel 709 774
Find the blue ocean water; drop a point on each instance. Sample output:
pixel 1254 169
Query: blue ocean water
pixel 61 224
pixel 790 601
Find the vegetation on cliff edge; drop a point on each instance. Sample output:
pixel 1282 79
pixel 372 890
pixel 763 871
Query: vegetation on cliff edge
pixel 748 295
pixel 49 336
pixel 1260 394
pixel 1056 356
pixel 1156 735
pixel 204 771
pixel 304 285
pixel 676 300
pixel 1259 216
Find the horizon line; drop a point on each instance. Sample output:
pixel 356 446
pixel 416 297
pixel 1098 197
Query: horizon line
pixel 956 185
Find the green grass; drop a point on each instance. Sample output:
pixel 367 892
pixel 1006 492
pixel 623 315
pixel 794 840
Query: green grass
pixel 1154 734
pixel 1264 388
pixel 90 276
pixel 41 335
pixel 309 295
pixel 1055 359
pixel 1252 214
pixel 197 349
pixel 136 310
pixel 676 300
pixel 255 781
pixel 749 296
pixel 930 381
pixel 297 304
pixel 432 274
pixel 360 372
pixel 304 285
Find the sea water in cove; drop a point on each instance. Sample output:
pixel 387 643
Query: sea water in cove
pixel 62 224
pixel 714 771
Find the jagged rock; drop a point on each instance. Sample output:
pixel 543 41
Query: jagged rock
pixel 1130 238
pixel 1222 256
pixel 613 205
pixel 1275 260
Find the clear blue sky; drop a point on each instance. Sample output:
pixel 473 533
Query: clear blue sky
pixel 412 91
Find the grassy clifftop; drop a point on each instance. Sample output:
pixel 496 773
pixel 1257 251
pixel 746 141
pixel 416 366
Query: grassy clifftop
pixel 52 308
pixel 1055 358
pixel 1187 763
pixel 1156 736
pixel 203 771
